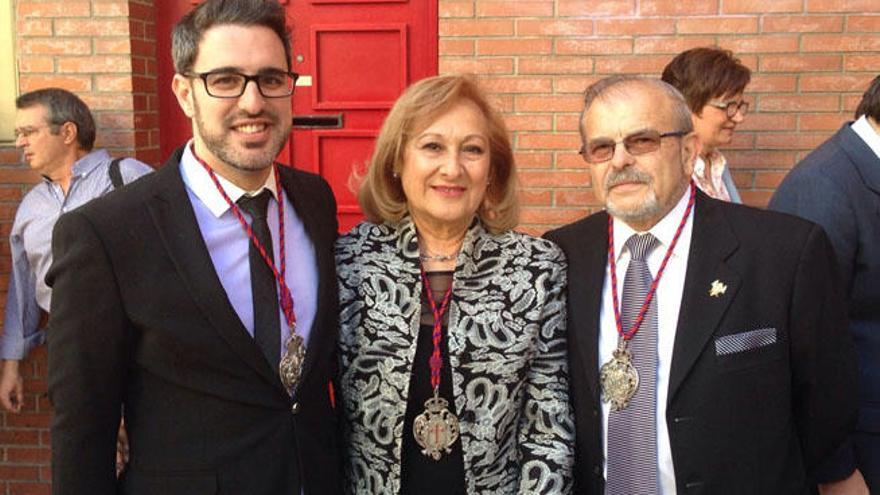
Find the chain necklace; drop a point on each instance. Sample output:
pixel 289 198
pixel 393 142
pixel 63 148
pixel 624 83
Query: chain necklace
pixel 428 256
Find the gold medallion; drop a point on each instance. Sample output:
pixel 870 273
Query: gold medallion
pixel 436 429
pixel 291 365
pixel 619 378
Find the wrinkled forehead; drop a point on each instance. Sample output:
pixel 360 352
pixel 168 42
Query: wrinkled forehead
pixel 626 109
pixel 32 116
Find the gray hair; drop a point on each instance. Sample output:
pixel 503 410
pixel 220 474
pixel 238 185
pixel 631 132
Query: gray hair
pixel 63 107
pixel 188 32
pixel 620 85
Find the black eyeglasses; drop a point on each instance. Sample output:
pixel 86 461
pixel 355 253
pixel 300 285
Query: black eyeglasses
pixel 731 107
pixel 639 143
pixel 231 84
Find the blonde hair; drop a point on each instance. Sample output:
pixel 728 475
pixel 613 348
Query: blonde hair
pixel 380 193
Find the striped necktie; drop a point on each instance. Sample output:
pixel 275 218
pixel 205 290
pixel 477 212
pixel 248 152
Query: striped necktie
pixel 632 432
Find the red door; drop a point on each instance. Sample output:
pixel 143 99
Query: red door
pixel 354 58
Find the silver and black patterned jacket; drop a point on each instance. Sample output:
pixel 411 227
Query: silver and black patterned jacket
pixel 507 351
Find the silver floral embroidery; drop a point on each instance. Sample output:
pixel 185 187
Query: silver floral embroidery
pixel 507 353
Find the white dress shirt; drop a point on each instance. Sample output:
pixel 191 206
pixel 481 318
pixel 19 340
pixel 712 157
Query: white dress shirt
pixel 867 133
pixel 668 301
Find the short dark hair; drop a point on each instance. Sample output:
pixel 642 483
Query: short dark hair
pixel 62 107
pixel 188 32
pixel 870 104
pixel 701 74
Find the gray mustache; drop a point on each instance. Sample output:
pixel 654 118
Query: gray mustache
pixel 626 175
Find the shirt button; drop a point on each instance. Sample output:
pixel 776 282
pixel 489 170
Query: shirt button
pixel 597 470
pixel 294 408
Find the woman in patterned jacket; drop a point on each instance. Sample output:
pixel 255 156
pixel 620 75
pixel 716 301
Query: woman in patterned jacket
pixel 453 348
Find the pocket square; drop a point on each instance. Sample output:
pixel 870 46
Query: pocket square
pixel 739 342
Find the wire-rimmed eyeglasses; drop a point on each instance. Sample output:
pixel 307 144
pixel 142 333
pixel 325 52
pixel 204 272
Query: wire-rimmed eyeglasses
pixel 231 84
pixel 638 143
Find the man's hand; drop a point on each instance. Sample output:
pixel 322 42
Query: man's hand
pixel 11 388
pixel 121 449
pixel 854 485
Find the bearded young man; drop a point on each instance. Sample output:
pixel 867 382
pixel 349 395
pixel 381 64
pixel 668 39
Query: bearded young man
pixel 202 302
pixel 707 346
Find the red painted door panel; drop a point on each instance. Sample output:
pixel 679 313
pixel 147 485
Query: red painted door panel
pixel 354 58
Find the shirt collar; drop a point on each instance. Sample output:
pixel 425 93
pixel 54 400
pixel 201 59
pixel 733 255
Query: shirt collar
pixel 864 130
pixel 199 182
pixel 664 230
pixel 86 164
pixel 716 161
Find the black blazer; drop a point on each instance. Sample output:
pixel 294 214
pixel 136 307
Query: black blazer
pixel 139 319
pixel 751 422
pixel 838 187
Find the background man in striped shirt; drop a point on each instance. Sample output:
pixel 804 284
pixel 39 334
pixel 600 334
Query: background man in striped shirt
pixel 55 132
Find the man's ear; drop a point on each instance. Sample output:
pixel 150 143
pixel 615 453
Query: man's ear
pixel 183 90
pixel 68 132
pixel 690 149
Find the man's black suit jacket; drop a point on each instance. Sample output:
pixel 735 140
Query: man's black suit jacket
pixel 752 422
pixel 139 319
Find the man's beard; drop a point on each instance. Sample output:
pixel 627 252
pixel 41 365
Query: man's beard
pixel 649 208
pixel 219 143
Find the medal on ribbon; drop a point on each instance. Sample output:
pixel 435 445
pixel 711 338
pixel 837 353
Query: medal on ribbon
pixel 291 365
pixel 618 377
pixel 436 429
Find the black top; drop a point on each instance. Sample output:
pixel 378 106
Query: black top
pixel 421 474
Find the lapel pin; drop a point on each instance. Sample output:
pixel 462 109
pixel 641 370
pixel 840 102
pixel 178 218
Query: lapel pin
pixel 717 289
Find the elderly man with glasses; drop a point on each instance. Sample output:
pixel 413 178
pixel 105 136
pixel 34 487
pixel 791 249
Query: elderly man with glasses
pixel 708 351
pixel 202 303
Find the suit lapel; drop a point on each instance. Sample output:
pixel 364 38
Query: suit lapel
pixel 305 206
pixel 586 294
pixel 179 231
pixel 712 242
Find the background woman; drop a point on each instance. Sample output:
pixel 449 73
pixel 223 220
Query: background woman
pixel 454 367
pixel 712 81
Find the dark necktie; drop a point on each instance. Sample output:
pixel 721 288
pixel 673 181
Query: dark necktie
pixel 632 432
pixel 267 327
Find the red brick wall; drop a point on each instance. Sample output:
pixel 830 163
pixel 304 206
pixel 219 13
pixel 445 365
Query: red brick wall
pixel 103 50
pixel 811 60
